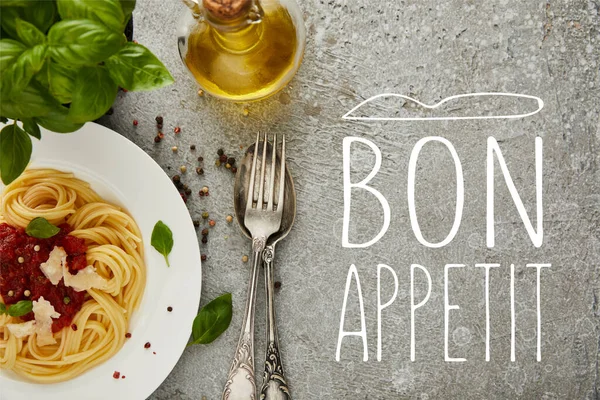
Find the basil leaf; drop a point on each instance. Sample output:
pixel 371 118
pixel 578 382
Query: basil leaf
pixel 134 67
pixel 10 50
pixel 212 320
pixel 94 92
pixel 58 121
pixel 29 33
pixel 83 42
pixel 127 6
pixel 60 81
pixel 33 101
pixel 18 75
pixel 8 20
pixel 20 308
pixel 3 309
pixel 108 12
pixel 31 127
pixel 15 3
pixel 162 240
pixel 15 152
pixel 40 228
pixel 41 13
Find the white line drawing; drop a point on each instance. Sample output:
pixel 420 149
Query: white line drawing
pixel 540 102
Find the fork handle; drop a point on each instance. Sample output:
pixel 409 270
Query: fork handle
pixel 240 383
pixel 274 385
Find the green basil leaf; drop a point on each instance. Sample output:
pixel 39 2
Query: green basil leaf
pixel 29 33
pixel 83 42
pixel 60 81
pixel 40 228
pixel 16 78
pixel 134 67
pixel 31 127
pixel 94 92
pixel 162 240
pixel 15 3
pixel 212 320
pixel 8 20
pixel 15 152
pixel 41 13
pixel 108 12
pixel 127 6
pixel 3 309
pixel 20 308
pixel 10 50
pixel 33 101
pixel 58 121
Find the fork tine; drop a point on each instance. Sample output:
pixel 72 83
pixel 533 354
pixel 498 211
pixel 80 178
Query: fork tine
pixel 250 199
pixel 281 176
pixel 263 164
pixel 272 178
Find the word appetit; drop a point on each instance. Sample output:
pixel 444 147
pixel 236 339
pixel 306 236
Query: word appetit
pixel 420 272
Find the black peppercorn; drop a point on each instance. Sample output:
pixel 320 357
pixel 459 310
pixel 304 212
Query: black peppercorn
pixel 176 179
pixel 277 285
pixel 231 161
pixel 200 159
pixel 159 126
pixel 188 191
pixel 204 232
pixel 200 171
pixel 193 147
pixel 203 257
pixel 159 119
pixel 196 223
pixel 157 139
pixel 220 152
pixel 204 239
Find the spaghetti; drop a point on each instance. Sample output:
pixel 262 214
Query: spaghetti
pixel 114 249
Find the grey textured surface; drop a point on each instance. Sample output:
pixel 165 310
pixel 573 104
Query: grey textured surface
pixel 432 50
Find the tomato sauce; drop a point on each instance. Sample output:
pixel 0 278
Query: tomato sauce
pixel 18 277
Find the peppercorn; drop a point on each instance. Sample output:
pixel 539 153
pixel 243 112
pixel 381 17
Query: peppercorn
pixel 177 130
pixel 204 240
pixel 204 215
pixel 188 191
pixel 123 377
pixel 218 163
pixel 159 119
pixel 116 375
pixel 204 232
pixel 196 223
pixel 205 189
pixel 231 161
pixel 200 92
pixel 212 222
pixel 159 126
pixel 200 159
pixel 220 152
pixel 135 122
pixel 183 197
pixel 244 258
pixel 246 112
pixel 277 285
pixel 147 345
pixel 176 179
pixel 157 139
pixel 203 257
pixel 193 147
pixel 174 149
pixel 128 335
pixel 223 158
pixel 199 171
pixel 228 166
pixel 169 309
pixel 183 168
pixel 201 193
pixel 234 170
pixel 229 219
pixel 184 187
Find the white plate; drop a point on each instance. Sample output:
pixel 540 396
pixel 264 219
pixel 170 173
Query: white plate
pixel 124 174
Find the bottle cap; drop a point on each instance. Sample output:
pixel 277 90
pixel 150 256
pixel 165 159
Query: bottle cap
pixel 227 9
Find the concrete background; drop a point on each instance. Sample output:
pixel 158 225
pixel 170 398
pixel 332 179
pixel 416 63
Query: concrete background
pixel 430 50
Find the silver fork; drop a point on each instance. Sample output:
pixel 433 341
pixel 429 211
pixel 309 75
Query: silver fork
pixel 261 223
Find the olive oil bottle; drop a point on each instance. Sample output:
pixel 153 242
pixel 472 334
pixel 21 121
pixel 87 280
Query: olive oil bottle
pixel 242 50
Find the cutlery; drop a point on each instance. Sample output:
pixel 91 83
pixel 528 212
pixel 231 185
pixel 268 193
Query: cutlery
pixel 274 385
pixel 261 222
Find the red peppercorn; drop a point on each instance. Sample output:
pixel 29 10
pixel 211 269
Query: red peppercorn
pixel 74 327
pixel 201 193
pixel 147 345
pixel 203 257
pixel 135 122
pixel 234 170
pixel 123 377
pixel 277 285
pixel 159 126
pixel 223 158
pixel 128 335
pixel 177 129
pixel 157 139
pixel 116 375
pixel 169 309
pixel 161 135
pixel 183 197
pixel 204 232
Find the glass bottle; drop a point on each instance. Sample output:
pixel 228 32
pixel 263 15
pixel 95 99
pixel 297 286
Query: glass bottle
pixel 242 50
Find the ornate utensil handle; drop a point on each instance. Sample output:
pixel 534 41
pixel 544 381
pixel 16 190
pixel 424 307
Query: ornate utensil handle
pixel 240 381
pixel 274 385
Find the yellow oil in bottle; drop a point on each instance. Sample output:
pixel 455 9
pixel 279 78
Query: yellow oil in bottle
pixel 249 63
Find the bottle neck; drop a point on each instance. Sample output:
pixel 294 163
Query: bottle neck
pixel 240 34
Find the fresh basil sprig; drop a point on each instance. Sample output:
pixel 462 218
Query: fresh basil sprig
pixel 61 63
pixel 18 309
pixel 212 320
pixel 40 228
pixel 162 240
